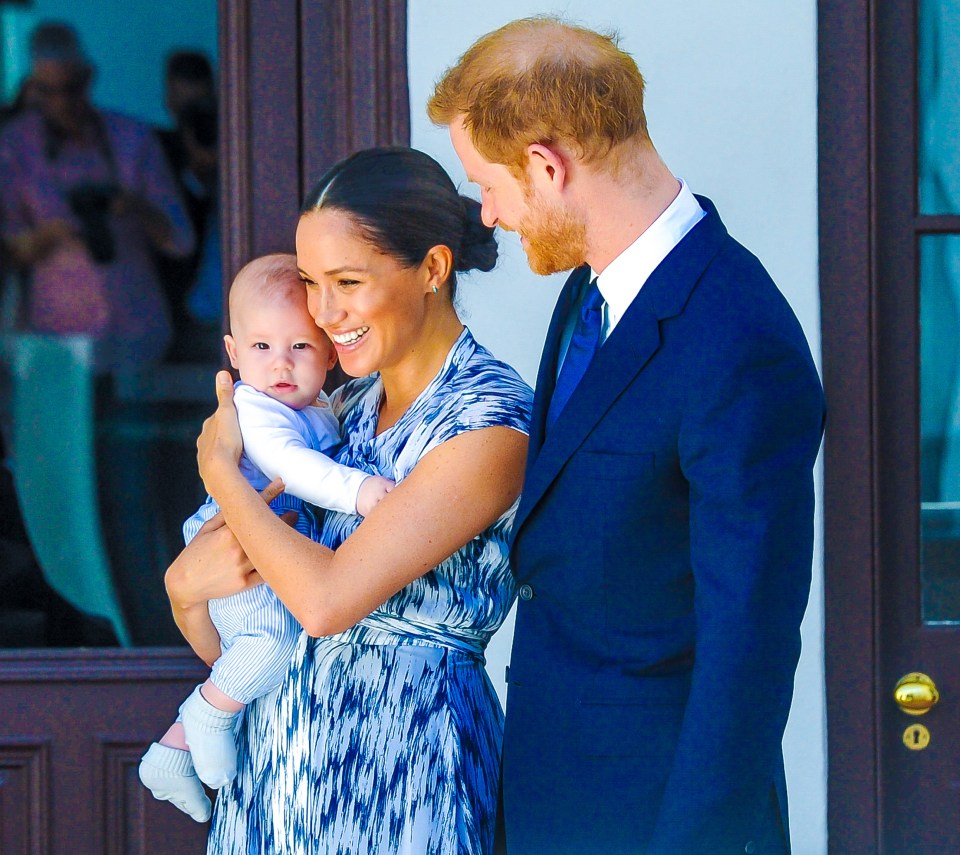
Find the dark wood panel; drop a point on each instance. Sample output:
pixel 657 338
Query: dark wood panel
pixel 937 224
pixel 883 798
pixel 77 722
pixel 354 85
pixel 273 92
pixel 24 797
pixel 260 146
pixel 123 798
pixel 302 86
pixel 134 823
pixel 847 293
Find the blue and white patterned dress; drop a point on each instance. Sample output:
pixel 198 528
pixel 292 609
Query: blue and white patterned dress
pixel 386 738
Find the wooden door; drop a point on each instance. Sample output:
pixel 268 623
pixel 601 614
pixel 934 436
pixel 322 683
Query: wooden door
pixel 890 233
pixel 301 86
pixel 73 726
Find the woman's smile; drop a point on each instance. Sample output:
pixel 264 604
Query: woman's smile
pixel 371 306
pixel 345 339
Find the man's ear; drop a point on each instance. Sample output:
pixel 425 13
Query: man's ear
pixel 546 167
pixel 231 347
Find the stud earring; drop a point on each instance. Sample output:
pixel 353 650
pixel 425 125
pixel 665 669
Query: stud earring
pixel 435 289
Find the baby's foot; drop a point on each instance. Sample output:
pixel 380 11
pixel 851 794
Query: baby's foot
pixel 209 733
pixel 168 773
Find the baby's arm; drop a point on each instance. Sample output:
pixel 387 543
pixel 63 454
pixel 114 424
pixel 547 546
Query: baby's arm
pixel 273 442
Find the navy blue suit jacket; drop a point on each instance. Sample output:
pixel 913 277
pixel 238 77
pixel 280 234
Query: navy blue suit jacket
pixel 663 545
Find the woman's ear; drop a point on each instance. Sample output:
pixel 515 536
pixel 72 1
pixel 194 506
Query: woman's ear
pixel 231 347
pixel 437 265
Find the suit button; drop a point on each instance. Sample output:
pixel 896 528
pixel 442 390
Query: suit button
pixel 526 592
pixel 750 847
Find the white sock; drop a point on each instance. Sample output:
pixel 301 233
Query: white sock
pixel 168 774
pixel 209 733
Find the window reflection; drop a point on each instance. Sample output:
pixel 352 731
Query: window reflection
pixel 939 193
pixel 940 426
pixel 939 99
pixel 110 311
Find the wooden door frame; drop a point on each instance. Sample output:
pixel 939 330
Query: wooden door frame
pixel 848 296
pixel 870 228
pixel 302 85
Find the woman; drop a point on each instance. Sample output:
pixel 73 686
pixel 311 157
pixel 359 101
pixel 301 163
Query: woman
pixel 385 737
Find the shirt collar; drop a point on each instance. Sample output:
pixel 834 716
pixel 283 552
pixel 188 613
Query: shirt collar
pixel 623 278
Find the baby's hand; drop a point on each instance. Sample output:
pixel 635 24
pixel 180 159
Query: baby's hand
pixel 371 492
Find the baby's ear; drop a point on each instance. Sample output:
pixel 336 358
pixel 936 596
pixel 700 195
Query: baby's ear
pixel 332 358
pixel 231 347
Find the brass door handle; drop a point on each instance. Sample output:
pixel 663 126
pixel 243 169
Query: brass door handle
pixel 916 693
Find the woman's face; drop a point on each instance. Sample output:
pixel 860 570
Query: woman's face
pixel 371 307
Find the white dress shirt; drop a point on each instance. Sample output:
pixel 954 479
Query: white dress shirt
pixel 626 274
pixel 623 278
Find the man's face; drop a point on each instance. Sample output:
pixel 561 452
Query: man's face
pixel 60 91
pixel 552 237
pixel 502 194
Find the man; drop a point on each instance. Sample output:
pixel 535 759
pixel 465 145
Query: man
pixel 87 197
pixel 663 541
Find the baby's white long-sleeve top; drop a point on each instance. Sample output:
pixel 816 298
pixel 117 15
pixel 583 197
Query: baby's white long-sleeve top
pixel 293 444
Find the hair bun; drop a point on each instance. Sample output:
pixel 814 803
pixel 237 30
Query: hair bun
pixel 478 246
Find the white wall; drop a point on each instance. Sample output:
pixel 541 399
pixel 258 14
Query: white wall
pixel 731 103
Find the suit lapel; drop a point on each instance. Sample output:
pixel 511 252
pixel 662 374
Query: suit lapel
pixel 624 354
pixel 547 373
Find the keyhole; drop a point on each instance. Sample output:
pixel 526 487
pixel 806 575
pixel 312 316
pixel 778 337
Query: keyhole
pixel 916 737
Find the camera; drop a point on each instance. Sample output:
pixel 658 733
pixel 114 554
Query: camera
pixel 91 202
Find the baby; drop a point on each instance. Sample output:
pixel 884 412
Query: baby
pixel 288 428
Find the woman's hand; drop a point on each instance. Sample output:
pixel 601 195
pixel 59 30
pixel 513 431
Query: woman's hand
pixel 212 565
pixel 219 445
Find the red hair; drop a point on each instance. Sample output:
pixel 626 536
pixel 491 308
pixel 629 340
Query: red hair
pixel 542 80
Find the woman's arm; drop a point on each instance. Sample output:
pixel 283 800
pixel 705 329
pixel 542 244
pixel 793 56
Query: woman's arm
pixel 448 498
pixel 212 565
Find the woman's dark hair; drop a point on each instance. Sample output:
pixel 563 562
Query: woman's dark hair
pixel 403 202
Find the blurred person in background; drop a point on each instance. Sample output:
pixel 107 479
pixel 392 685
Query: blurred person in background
pixel 193 283
pixel 88 197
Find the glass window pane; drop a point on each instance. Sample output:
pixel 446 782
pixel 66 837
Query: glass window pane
pixel 111 333
pixel 939 106
pixel 940 427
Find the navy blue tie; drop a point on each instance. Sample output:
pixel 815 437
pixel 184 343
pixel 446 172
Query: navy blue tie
pixel 583 345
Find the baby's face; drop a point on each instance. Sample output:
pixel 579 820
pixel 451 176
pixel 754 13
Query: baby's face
pixel 279 350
